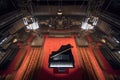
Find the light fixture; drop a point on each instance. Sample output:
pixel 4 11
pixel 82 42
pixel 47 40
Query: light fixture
pixel 119 52
pixel 59 12
pixel 103 40
pixel 30 23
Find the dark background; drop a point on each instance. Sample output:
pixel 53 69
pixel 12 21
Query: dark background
pixel 7 6
pixel 110 6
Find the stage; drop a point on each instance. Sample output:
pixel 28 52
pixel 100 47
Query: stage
pixel 32 62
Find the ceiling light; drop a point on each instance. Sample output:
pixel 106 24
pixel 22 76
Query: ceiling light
pixel 59 12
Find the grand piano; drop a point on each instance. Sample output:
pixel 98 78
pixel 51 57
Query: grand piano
pixel 62 59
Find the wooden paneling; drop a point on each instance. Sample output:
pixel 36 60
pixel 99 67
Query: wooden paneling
pixel 16 26
pixel 67 10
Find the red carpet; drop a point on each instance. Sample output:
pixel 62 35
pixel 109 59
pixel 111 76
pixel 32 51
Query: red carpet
pixel 53 44
pixel 89 38
pixel 95 64
pixel 21 70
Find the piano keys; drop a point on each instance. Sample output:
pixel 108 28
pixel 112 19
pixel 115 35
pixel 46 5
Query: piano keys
pixel 59 64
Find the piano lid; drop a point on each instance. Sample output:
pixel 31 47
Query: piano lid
pixel 62 58
pixel 63 49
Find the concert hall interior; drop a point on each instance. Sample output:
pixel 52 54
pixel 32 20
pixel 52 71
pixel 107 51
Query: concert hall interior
pixel 59 39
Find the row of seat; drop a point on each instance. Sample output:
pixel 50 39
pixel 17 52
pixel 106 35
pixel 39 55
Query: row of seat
pixel 7 77
pixel 117 77
pixel 6 42
pixel 97 35
pixel 111 57
pixel 2 77
pixel 8 56
pixel 112 43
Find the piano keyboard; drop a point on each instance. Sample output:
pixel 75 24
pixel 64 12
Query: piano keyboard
pixel 67 65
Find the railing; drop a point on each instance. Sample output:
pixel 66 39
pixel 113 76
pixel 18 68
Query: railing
pixel 8 56
pixel 111 57
pixel 10 18
pixel 110 18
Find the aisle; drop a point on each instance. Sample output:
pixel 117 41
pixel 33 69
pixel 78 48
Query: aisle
pixel 29 65
pixel 89 64
pixel 53 44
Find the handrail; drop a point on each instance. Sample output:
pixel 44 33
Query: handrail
pixel 108 17
pixel 9 18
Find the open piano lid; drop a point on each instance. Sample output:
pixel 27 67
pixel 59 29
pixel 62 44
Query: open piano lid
pixel 62 58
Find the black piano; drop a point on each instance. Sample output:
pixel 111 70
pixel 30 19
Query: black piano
pixel 62 58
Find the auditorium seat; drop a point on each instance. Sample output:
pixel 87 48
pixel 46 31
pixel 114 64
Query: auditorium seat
pixel 97 35
pixel 5 43
pixel 117 77
pixel 2 77
pixel 8 56
pixel 113 43
pixel 111 57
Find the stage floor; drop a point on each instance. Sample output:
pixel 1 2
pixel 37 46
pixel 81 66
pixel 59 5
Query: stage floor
pixel 53 44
